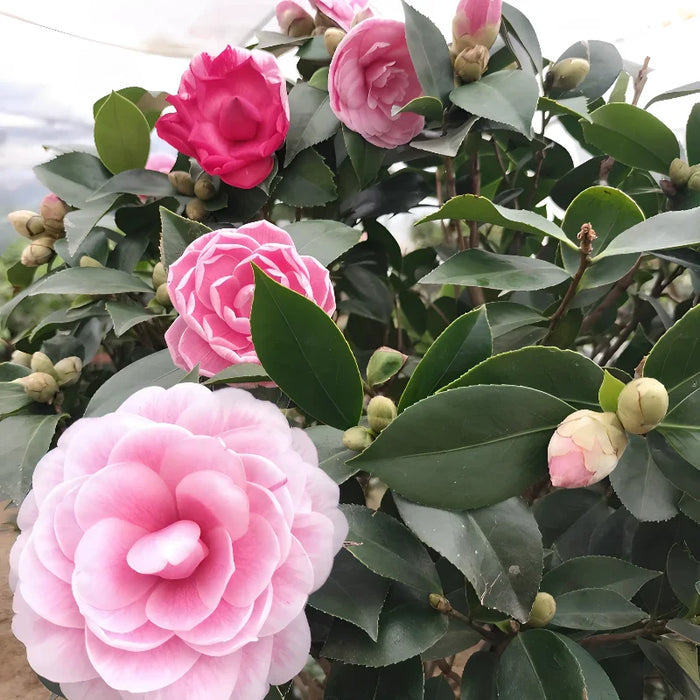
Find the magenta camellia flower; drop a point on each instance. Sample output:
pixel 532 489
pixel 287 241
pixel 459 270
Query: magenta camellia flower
pixel 585 448
pixel 168 550
pixel 232 114
pixel 371 73
pixel 211 285
pixel 476 22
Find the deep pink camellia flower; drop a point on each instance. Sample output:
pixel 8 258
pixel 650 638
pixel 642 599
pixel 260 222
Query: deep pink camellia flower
pixel 476 22
pixel 371 73
pixel 168 550
pixel 211 285
pixel 232 114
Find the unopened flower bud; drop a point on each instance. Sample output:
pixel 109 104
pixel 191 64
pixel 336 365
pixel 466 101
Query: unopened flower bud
pixel 293 19
pixel 694 179
pixel 160 276
pixel 476 22
pixel 39 386
pixel 642 405
pixel 322 22
pixel 585 448
pixel 543 610
pixel 87 261
pixel 568 73
pixel 162 296
pixel 357 439
pixel 53 210
pixel 679 172
pixel 205 188
pixel 196 210
pixel 68 370
pixel 21 358
pixel 42 363
pixel 332 38
pixel 182 182
pixel 381 411
pixel 471 63
pixel 26 223
pixel 38 252
pixel 361 16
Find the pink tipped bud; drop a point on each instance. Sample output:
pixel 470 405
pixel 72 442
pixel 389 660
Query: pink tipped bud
pixel 476 22
pixel 585 448
pixel 53 211
pixel 341 13
pixel 293 19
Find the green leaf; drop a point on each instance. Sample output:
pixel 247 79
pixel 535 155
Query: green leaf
pixel 619 91
pixel 150 103
pixel 319 79
pixel 429 107
pixel 498 549
pixel 595 609
pixel 507 96
pixel 323 239
pixel 429 54
pixel 670 670
pixel 675 359
pixel 437 688
pixel 388 548
pixel 366 158
pixel 74 177
pixel 475 208
pixel 10 371
pixel 403 680
pixel 447 144
pixel 176 234
pixel 681 474
pixel 606 64
pixel 81 222
pixel 332 455
pixel 307 181
pixel 122 134
pixel 692 135
pixel 519 25
pixel 598 685
pixel 566 374
pixel 507 316
pixel 480 268
pixel 154 370
pixel 479 677
pixel 632 136
pixel 572 106
pixel 682 91
pixel 461 449
pixel 244 373
pixel 384 364
pixel 25 439
pixel 459 636
pixel 126 316
pixel 681 428
pixel 672 229
pixel 312 119
pixel 690 506
pixel 463 344
pixel 305 354
pixel 13 397
pixel 88 280
pixel 683 571
pixel 642 486
pixel 538 665
pixel 686 629
pixel 609 573
pixel 609 391
pixel 352 593
pixel 147 183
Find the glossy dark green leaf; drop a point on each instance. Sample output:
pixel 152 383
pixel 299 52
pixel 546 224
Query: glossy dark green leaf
pixel 605 62
pixel 307 181
pixel 390 549
pixel 459 636
pixel 692 134
pixel 323 239
pixel 305 353
pixel 497 548
pixel 463 344
pixel 13 397
pixel 480 268
pixel 507 96
pixel 678 471
pixel 402 680
pixel 148 183
pixel 460 449
pixel 632 136
pixel 177 233
pixel 365 157
pixel 88 280
pixel 479 677
pixel 81 222
pixel 681 91
pixel 126 316
pixel 352 593
pixel 566 374
pixel 598 685
pixel 507 316
pixel 690 506
pixel 122 134
pixel 595 609
pixel 681 428
pixel 447 144
pixel 683 571
pixel 519 25
pixel 332 454
pixel 610 573
pixel 74 177
pixel 537 665
pixel 244 373
pixel 437 688
pixel 670 669
pixel 686 629
pixel 429 107
pixel 642 486
pixel 312 119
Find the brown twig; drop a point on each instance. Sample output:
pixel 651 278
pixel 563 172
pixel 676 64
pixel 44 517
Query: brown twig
pixel 443 605
pixel 641 80
pixel 658 628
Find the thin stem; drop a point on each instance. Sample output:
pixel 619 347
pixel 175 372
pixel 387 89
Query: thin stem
pixel 659 628
pixel 475 168
pixel 441 604
pixel 641 80
pixel 451 183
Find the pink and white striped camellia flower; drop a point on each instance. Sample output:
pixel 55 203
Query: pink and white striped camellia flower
pixel 476 23
pixel 168 550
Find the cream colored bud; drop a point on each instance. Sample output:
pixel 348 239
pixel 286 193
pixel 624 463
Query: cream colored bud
pixel 182 182
pixel 160 276
pixel 294 20
pixel 162 296
pixel 301 27
pixel 332 38
pixel 471 63
pixel 642 405
pixel 679 172
pixel 205 188
pixel 357 439
pixel 68 370
pixel 694 181
pixel 543 610
pixel 38 252
pixel 42 363
pixel 568 73
pixel 26 223
pixel 322 21
pixel 39 386
pixel 87 261
pixel 196 210
pixel 381 411
pixel 21 358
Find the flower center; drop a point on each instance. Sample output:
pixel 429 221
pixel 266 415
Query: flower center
pixel 239 119
pixel 173 552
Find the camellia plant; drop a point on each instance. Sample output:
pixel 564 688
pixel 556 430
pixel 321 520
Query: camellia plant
pixel 270 445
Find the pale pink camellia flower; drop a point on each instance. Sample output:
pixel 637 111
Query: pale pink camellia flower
pixel 168 549
pixel 340 12
pixel 372 73
pixel 476 22
pixel 231 115
pixel 585 448
pixel 160 162
pixel 211 285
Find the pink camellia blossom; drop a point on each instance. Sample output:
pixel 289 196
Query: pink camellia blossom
pixel 476 22
pixel 371 73
pixel 211 285
pixel 168 550
pixel 339 12
pixel 585 448
pixel 160 162
pixel 232 114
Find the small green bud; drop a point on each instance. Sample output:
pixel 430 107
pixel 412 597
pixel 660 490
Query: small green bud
pixel 162 296
pixel 39 386
pixel 357 439
pixel 38 252
pixel 381 411
pixel 196 210
pixel 68 370
pixel 42 363
pixel 21 358
pixel 87 261
pixel 568 73
pixel 182 182
pixel 679 172
pixel 543 610
pixel 160 276
pixel 205 188
pixel 471 63
pixel 332 38
pixel 642 405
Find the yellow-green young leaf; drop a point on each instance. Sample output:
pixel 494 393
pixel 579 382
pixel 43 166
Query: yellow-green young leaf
pixel 122 134
pixel 610 389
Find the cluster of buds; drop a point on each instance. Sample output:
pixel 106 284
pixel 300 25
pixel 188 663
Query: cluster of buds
pixel 160 280
pixel 42 229
pixel 46 378
pixel 566 74
pixel 474 29
pixel 684 175
pixel 201 190
pixel 381 411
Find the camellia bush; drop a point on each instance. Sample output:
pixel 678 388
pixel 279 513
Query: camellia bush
pixel 270 445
